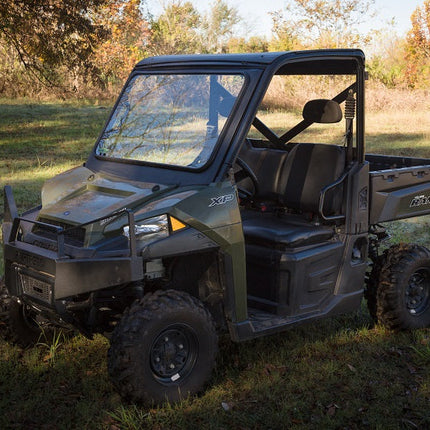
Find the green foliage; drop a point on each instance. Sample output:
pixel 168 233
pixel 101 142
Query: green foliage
pixel 44 36
pixel 242 45
pixel 76 48
pixel 218 26
pixel 382 71
pixel 176 30
pixel 286 36
pixel 322 23
pixel 180 29
pixel 51 345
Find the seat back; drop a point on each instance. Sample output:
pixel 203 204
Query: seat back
pixel 309 168
pixel 267 164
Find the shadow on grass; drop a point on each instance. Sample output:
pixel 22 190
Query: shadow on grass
pixel 26 193
pixel 49 130
pixel 406 144
pixel 71 393
pixel 336 373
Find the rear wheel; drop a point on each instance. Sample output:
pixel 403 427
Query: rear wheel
pixel 164 348
pixel 403 293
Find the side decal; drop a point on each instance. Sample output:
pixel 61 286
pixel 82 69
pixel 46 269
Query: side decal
pixel 221 200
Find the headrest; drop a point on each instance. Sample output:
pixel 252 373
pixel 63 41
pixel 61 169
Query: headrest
pixel 322 111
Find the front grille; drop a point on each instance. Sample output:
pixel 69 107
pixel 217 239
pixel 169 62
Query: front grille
pixel 74 236
pixel 35 288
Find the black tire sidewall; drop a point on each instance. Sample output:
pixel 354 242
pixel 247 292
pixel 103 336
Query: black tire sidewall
pixel 202 365
pixel 412 321
pixel 402 261
pixel 129 356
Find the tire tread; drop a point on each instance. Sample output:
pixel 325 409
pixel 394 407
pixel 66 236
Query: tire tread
pixel 121 354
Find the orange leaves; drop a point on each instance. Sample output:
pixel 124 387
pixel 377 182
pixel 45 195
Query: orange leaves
pixel 418 47
pixel 128 36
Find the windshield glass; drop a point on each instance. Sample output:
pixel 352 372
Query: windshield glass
pixel 170 119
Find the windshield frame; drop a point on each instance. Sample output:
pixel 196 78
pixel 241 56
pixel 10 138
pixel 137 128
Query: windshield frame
pixel 183 72
pixel 258 70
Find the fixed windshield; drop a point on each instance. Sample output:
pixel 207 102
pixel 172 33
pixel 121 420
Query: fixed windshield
pixel 170 119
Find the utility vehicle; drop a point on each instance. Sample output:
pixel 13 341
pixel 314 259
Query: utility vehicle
pixel 194 214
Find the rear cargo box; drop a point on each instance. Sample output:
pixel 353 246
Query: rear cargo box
pixel 399 192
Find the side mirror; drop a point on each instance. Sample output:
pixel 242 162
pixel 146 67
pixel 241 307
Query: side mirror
pixel 322 111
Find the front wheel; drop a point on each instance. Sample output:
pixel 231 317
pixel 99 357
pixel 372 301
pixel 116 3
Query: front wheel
pixel 163 349
pixel 403 293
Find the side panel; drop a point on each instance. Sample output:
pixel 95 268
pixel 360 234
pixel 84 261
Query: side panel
pixel 313 275
pixel 357 211
pixel 215 213
pixel 293 282
pixel 399 193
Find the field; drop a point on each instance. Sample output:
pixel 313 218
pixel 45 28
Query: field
pixel 340 373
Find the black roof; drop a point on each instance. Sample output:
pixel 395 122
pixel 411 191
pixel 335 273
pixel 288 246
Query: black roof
pixel 253 59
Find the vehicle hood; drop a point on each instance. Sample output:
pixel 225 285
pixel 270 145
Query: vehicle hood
pixel 80 195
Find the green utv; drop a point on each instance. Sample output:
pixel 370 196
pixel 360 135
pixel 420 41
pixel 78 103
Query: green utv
pixel 198 211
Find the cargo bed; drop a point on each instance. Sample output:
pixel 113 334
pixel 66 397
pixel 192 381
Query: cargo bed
pixel 399 187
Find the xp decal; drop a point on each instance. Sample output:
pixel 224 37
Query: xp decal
pixel 221 200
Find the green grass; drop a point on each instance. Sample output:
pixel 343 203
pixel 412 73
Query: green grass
pixel 38 141
pixel 337 373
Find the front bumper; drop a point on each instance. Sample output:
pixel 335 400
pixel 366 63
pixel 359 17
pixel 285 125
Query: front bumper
pixel 48 277
pixel 34 273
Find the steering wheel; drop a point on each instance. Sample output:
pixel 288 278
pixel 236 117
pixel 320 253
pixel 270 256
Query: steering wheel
pixel 242 173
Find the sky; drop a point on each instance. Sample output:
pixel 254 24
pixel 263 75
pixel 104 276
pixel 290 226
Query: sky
pixel 255 13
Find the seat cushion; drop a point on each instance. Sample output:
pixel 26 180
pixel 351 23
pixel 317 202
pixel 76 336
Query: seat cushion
pixel 286 231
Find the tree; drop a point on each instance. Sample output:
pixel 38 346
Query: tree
pixel 322 23
pixel 129 36
pixel 418 47
pixel 176 31
pixel 285 36
pixel 180 29
pixel 218 26
pixel 46 34
pixel 242 45
pixel 387 64
pixel 419 36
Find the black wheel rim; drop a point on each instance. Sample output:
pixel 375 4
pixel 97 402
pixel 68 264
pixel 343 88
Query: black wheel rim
pixel 417 292
pixel 174 353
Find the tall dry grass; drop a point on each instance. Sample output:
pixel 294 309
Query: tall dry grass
pixel 380 98
pixel 292 92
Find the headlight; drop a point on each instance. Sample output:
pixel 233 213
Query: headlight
pixel 149 230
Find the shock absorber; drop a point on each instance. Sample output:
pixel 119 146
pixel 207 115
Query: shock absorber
pixel 349 116
pixel 350 105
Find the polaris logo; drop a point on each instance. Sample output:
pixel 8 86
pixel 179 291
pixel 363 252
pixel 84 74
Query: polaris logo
pixel 420 201
pixel 221 200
